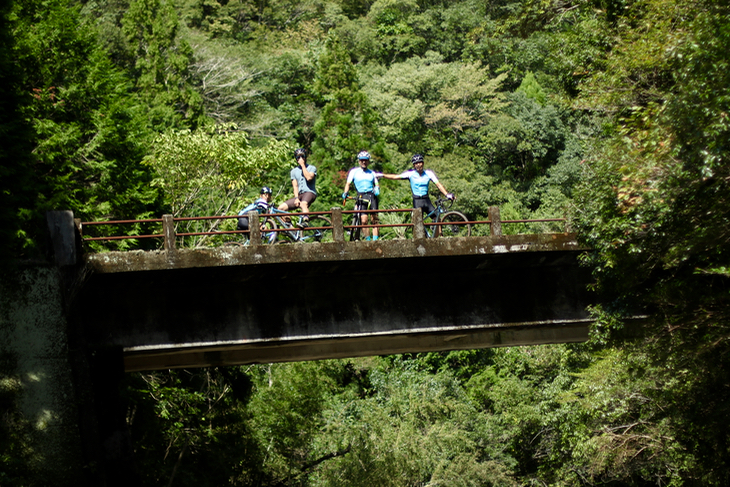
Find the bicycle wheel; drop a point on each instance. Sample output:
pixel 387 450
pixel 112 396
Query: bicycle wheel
pixel 267 236
pixel 463 229
pixel 310 232
pixel 355 231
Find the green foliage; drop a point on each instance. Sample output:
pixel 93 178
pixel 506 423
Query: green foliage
pixel 207 172
pixel 654 207
pixel 532 89
pixel 87 133
pixel 616 109
pixel 16 174
pixel 161 68
pixel 189 428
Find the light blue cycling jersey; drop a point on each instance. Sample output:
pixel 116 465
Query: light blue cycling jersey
pixel 364 179
pixel 260 205
pixel 302 183
pixel 419 182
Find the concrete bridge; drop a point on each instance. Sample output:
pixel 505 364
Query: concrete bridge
pixel 75 326
pixel 270 303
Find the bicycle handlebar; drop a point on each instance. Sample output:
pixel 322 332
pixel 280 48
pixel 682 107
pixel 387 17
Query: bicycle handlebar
pixel 444 202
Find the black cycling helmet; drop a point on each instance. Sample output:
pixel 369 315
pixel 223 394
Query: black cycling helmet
pixel 265 190
pixel 363 156
pixel 416 158
pixel 300 152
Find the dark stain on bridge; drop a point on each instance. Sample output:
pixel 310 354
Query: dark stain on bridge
pixel 224 306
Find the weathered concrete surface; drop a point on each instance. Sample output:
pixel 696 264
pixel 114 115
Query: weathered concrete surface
pixel 114 262
pixel 313 301
pixel 36 379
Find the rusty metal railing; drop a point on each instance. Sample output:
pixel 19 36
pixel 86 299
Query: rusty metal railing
pixel 170 235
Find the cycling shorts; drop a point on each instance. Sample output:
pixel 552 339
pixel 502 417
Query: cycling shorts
pixel 306 196
pixel 424 203
pixel 242 223
pixel 371 198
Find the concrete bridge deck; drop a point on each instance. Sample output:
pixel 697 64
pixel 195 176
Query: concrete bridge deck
pixel 225 306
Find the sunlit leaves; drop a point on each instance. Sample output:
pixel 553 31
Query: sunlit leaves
pixel 206 172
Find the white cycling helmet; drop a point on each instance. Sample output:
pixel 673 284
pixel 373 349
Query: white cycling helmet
pixel 364 156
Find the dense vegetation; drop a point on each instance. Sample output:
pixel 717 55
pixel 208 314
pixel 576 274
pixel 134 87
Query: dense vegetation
pixel 612 111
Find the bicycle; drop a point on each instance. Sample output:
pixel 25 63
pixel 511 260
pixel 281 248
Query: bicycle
pixel 443 214
pixel 315 228
pixel 318 228
pixel 360 204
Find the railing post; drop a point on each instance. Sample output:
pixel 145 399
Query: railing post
pixel 168 229
pixel 338 231
pixel 418 229
pixel 254 228
pixel 495 225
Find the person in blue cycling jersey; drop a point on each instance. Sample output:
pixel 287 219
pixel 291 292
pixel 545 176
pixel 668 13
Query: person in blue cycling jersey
pixel 367 187
pixel 261 205
pixel 420 179
pixel 303 181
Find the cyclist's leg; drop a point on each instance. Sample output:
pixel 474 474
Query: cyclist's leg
pixel 287 206
pixel 429 211
pixel 305 200
pixel 319 229
pixel 356 221
pixel 365 199
pixel 374 219
pixel 242 223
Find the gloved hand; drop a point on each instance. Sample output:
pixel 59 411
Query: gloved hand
pixel 451 196
pixel 376 191
pixel 344 196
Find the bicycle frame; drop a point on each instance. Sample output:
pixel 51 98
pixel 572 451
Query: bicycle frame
pixel 457 224
pixel 435 215
pixel 293 232
pixel 360 204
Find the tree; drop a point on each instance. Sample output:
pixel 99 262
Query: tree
pixel 654 209
pixel 162 60
pixel 88 133
pixel 207 172
pixel 16 173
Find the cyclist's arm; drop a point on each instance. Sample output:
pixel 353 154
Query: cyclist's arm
pixel 295 185
pixel 444 192
pixel 305 172
pixel 394 176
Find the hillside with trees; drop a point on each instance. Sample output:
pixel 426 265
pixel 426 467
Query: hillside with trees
pixel 611 112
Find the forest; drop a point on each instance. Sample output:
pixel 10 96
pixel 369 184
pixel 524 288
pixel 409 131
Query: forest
pixel 612 113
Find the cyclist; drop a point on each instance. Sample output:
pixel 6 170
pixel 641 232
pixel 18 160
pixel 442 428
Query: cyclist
pixel 261 205
pixel 368 189
pixel 420 179
pixel 303 181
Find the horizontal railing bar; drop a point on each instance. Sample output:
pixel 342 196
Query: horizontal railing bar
pixel 122 237
pixel 379 225
pixel 350 212
pixel 119 222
